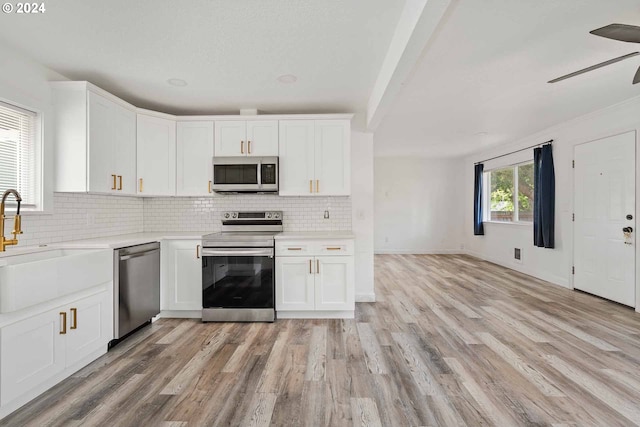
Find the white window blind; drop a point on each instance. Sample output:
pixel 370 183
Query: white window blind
pixel 17 152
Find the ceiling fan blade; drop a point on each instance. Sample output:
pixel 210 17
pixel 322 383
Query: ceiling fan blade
pixel 636 78
pixel 620 32
pixel 595 67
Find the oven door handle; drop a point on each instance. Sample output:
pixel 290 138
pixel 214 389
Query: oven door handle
pixel 237 252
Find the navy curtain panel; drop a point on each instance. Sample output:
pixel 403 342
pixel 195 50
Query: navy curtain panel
pixel 544 200
pixel 478 226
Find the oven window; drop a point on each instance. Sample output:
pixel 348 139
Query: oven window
pixel 235 174
pixel 237 282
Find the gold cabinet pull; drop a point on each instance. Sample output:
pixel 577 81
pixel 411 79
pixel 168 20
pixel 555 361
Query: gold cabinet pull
pixel 294 249
pixel 317 266
pixel 120 182
pixel 334 249
pixel 140 185
pixel 310 266
pixel 63 323
pixel 114 182
pixel 74 318
pixel 210 186
pixel 241 147
pixel 198 251
pixel 317 185
pixel 248 147
pixel 310 186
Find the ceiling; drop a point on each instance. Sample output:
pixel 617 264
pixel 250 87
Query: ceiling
pixel 229 52
pixel 487 69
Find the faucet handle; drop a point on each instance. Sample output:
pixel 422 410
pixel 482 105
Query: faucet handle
pixel 17 225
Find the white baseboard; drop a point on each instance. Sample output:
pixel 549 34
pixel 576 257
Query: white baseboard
pixel 418 252
pixel 315 314
pixel 366 297
pixel 551 278
pixel 181 314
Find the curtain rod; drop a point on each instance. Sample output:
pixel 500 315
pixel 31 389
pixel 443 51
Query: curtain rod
pixel 516 151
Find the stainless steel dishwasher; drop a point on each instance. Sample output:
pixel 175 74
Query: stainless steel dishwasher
pixel 136 287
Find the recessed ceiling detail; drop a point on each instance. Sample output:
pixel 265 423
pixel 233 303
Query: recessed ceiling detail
pixel 177 82
pixel 287 79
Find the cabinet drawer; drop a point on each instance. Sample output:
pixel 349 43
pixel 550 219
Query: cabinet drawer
pixel 295 248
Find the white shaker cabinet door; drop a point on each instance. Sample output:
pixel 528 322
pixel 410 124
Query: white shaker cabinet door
pixel 31 352
pixel 262 138
pixel 90 326
pixel 156 156
pixel 230 138
pixel 334 283
pixel 194 155
pixel 102 175
pixel 181 279
pixel 294 283
pixel 332 158
pixel 296 163
pixel 125 151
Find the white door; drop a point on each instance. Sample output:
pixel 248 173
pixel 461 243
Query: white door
pixel 604 259
pixel 31 352
pixel 295 283
pixel 102 175
pixel 296 158
pixel 332 158
pixel 231 138
pixel 156 156
pixel 90 327
pixel 262 138
pixel 125 150
pixel 181 279
pixel 194 165
pixel 334 283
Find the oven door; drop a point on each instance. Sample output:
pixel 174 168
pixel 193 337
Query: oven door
pixel 238 278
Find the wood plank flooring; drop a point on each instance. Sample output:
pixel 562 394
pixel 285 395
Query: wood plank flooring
pixel 452 341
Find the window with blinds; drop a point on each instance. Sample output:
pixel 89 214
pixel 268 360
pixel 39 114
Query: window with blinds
pixel 17 152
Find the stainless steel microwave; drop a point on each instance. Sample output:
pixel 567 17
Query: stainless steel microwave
pixel 245 174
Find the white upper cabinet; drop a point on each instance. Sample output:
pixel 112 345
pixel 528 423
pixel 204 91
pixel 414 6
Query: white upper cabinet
pixel 315 158
pixel 246 138
pixel 262 138
pixel 156 156
pixel 194 155
pixel 95 136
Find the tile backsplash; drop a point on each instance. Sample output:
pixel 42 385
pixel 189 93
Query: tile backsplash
pixel 81 216
pixel 85 216
pixel 204 213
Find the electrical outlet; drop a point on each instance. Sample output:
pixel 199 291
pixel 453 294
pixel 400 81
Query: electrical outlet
pixel 517 255
pixel 326 214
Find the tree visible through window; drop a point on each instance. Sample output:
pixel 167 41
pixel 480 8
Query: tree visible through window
pixel 511 197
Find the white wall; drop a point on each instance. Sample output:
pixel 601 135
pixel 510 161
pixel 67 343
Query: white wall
pixel 553 265
pixel 24 82
pixel 418 205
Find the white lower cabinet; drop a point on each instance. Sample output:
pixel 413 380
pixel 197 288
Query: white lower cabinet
pixel 314 283
pixel 36 351
pixel 181 279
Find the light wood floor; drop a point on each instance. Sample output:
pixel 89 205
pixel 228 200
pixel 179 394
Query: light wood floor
pixel 451 341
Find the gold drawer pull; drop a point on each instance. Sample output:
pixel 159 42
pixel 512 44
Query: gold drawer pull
pixel 309 266
pixel 74 318
pixel 119 182
pixel 334 249
pixel 294 249
pixel 141 185
pixel 114 182
pixel 317 185
pixel 63 323
pixel 310 186
pixel 209 186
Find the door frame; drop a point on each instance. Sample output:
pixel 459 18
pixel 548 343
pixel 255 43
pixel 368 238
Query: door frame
pixel 637 208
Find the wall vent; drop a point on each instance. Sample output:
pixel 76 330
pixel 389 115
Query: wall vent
pixel 517 254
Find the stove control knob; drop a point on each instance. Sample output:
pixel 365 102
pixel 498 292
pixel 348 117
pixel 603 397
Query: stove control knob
pixel 269 215
pixel 235 215
pixel 226 215
pixel 276 215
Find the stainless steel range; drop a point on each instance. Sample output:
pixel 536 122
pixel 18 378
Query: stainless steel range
pixel 238 268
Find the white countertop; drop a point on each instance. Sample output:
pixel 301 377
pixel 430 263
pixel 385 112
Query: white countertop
pixel 124 240
pixel 297 235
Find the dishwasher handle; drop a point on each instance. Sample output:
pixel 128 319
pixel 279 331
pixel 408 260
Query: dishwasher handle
pixel 139 254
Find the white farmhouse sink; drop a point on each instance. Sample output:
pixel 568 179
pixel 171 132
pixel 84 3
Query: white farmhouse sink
pixel 28 279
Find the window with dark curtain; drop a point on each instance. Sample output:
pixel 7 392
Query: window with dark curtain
pixel 478 226
pixel 545 197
